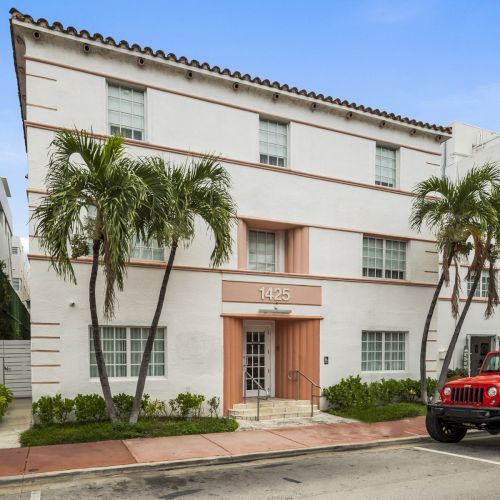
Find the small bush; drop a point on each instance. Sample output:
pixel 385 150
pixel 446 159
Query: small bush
pixel 350 393
pixel 123 403
pixel 213 406
pixel 43 409
pixel 90 408
pixel 461 372
pixel 154 408
pixel 62 408
pixel 5 399
pixel 186 404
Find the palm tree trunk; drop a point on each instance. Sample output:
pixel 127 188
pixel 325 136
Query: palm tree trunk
pixel 96 335
pixel 146 357
pixel 456 334
pixel 425 336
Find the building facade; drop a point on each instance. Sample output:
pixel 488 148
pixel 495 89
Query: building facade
pixel 325 275
pixel 5 227
pixel 20 271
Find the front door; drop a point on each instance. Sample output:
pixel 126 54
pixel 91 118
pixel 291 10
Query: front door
pixel 479 347
pixel 258 350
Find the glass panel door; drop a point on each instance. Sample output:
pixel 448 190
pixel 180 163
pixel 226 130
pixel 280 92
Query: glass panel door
pixel 256 350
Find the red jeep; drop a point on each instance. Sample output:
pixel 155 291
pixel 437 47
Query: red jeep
pixel 468 403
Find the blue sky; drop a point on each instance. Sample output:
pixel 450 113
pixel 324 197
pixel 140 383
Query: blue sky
pixel 427 59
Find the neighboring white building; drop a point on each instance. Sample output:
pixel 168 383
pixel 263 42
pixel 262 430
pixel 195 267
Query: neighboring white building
pixel 470 146
pixel 326 276
pixel 5 227
pixel 20 271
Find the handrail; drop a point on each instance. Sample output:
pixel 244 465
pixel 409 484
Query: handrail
pixel 313 386
pixel 259 388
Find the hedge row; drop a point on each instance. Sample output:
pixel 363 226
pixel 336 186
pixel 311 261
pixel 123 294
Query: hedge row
pixel 5 399
pixel 92 407
pixel 353 393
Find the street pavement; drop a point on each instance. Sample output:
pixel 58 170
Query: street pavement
pixel 467 470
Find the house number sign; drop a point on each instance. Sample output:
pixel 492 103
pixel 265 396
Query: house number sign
pixel 270 293
pixel 275 294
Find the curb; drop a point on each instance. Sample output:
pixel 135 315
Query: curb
pixel 198 462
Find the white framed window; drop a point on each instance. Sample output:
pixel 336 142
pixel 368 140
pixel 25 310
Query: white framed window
pixel 385 166
pixel 149 251
pixel 262 251
pixel 138 338
pixel 482 286
pixel 16 284
pixel 383 351
pixel 126 112
pixel 273 142
pixel 123 347
pixel 384 258
pixel 15 250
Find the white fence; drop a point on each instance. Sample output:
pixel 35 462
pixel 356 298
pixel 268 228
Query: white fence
pixel 15 366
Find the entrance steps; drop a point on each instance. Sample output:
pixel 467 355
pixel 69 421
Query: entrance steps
pixel 273 409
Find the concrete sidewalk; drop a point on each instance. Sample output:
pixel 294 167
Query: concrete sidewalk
pixel 37 460
pixel 16 420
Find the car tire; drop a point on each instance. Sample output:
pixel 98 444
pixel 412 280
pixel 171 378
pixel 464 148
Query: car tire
pixel 442 431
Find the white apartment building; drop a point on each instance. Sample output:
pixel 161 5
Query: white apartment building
pixel 20 271
pixel 325 277
pixel 469 146
pixel 5 227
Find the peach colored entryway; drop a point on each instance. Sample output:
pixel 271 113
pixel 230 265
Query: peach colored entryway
pixel 296 348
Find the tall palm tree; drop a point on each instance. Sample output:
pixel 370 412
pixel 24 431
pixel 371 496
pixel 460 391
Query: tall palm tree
pixel 93 194
pixel 455 213
pixel 198 189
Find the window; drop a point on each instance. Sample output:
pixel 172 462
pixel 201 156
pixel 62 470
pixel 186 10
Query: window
pixel 384 258
pixel 138 338
pixel 482 286
pixel 123 347
pixel 385 167
pixel 150 251
pixel 126 112
pixel 15 250
pixel 273 142
pixel 16 284
pixel 383 351
pixel 262 251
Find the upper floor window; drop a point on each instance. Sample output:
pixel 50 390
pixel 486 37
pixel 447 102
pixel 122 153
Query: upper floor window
pixel 126 112
pixel 262 251
pixel 16 284
pixel 273 137
pixel 385 167
pixel 15 250
pixel 384 258
pixel 482 286
pixel 149 251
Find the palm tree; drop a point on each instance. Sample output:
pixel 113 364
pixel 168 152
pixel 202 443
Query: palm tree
pixel 199 189
pixel 454 212
pixel 93 194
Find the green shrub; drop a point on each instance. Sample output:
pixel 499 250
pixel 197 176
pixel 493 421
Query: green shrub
pixel 154 408
pixel 123 403
pixel 213 406
pixel 90 408
pixel 62 408
pixel 461 372
pixel 350 392
pixel 186 404
pixel 43 409
pixel 5 399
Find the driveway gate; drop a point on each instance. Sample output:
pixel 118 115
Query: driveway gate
pixel 15 366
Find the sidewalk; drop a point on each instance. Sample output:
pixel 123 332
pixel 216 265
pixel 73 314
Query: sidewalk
pixel 30 462
pixel 16 420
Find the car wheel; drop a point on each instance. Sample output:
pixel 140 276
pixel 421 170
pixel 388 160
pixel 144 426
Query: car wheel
pixel 442 431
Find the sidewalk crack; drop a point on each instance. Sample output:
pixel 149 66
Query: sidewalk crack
pixel 216 444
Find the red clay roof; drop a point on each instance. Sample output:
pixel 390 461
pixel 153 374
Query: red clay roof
pixel 123 44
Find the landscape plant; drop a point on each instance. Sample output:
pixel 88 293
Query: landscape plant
pixel 6 397
pixel 456 213
pixel 198 189
pixel 94 190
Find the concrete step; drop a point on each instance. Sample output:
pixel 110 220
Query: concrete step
pixel 272 409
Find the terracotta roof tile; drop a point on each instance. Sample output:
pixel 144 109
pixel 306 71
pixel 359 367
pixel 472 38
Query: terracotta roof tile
pixel 123 44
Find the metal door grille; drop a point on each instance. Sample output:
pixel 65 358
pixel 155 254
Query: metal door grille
pixel 255 354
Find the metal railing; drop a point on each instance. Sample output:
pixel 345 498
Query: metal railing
pixel 248 376
pixel 295 375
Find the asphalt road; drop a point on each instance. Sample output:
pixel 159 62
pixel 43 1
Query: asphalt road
pixel 468 470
